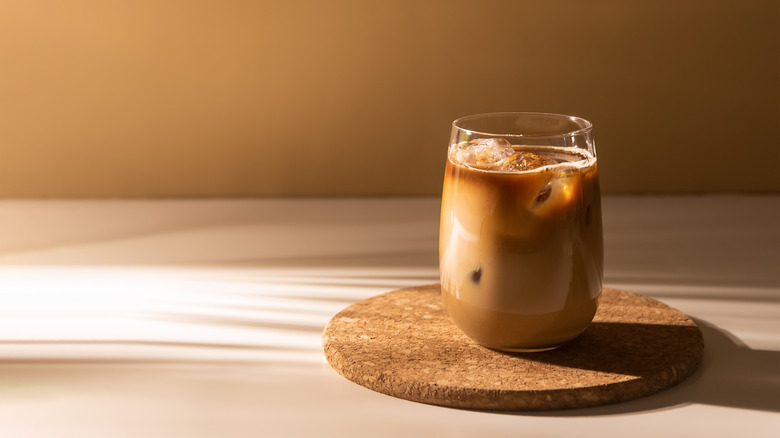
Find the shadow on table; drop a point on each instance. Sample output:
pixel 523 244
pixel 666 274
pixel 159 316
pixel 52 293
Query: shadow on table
pixel 730 374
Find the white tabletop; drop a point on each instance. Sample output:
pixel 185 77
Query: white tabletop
pixel 202 318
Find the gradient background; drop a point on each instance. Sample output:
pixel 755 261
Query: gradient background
pixel 233 98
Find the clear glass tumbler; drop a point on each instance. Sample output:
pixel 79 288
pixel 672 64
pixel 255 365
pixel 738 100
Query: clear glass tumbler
pixel 520 244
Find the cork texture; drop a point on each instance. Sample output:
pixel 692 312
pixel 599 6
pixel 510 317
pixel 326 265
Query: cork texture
pixel 403 344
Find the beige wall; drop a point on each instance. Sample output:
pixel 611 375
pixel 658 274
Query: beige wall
pixel 151 98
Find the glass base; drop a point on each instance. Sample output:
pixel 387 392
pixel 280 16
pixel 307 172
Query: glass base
pixel 525 350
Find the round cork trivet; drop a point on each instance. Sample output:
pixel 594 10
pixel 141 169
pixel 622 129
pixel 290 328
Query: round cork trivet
pixel 403 344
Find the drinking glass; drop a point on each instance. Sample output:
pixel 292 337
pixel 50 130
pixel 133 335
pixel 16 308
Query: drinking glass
pixel 520 239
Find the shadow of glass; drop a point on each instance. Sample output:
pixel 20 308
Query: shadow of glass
pixel 641 350
pixel 730 375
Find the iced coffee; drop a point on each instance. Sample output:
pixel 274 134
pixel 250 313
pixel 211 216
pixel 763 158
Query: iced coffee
pixel 520 241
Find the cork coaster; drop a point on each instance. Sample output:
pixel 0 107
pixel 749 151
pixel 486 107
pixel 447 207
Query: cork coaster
pixel 403 344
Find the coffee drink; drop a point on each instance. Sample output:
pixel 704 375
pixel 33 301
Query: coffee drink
pixel 521 250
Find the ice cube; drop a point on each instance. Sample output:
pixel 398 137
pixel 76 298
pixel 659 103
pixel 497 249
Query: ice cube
pixel 476 275
pixel 544 194
pixel 526 161
pixel 483 153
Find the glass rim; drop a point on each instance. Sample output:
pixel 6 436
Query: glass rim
pixel 586 126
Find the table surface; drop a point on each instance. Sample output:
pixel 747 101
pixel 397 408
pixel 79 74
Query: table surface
pixel 202 318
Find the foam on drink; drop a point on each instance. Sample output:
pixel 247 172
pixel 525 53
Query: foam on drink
pixel 497 154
